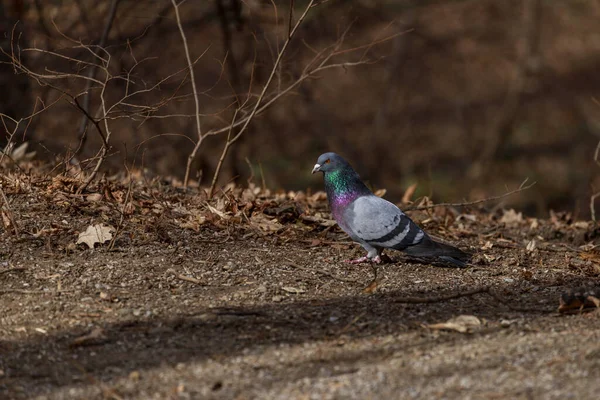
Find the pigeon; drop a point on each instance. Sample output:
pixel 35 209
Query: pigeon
pixel 375 223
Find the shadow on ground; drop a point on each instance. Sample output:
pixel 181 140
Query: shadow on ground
pixel 46 362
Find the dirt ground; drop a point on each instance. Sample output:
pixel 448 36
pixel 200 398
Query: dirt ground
pixel 247 296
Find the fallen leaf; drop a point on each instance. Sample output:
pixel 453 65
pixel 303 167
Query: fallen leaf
pixel 19 153
pixel 511 218
pixel 462 324
pixel 581 225
pixel 468 217
pixel 488 245
pixel 6 220
pixel 99 233
pixel 593 256
pixel 265 223
pixel 534 224
pixel 96 336
pixel 94 197
pixel 408 194
pixel 380 192
pixel 371 288
pixel 318 197
pixel 579 300
pixel 319 219
pixel 193 222
pixel 217 212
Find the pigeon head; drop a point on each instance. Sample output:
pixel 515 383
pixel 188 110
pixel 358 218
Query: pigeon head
pixel 342 183
pixel 330 162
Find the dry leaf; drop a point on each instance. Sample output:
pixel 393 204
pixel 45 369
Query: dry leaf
pixel 217 212
pixel 99 233
pixel 579 300
pixel 488 245
pixel 6 220
pixel 408 194
pixel 511 218
pixel 193 222
pixel 582 225
pixel 94 197
pixel 318 197
pixel 63 183
pixel 265 223
pixel 96 336
pixel 371 288
pixel 319 219
pixel 380 192
pixel 462 324
pixel 593 256
pixel 19 153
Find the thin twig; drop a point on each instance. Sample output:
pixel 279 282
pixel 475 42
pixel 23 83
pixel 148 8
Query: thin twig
pixel 23 291
pixel 12 269
pixel 102 154
pixel 185 277
pixel 228 144
pixel 593 205
pixel 291 18
pixel 439 299
pixel 595 195
pixel 521 188
pixel 112 12
pixel 9 212
pixel 258 103
pixel 189 279
pixel 123 209
pixel 192 155
pixel 596 154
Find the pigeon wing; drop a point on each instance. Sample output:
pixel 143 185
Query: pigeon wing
pixel 380 223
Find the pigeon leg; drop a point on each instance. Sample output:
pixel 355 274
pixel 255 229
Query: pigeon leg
pixel 358 260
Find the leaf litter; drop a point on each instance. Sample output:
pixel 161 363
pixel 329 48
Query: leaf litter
pixel 180 255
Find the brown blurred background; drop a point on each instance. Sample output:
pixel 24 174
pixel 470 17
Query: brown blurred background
pixel 475 97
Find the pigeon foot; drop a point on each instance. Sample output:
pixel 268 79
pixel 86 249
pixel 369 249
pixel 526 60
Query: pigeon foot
pixel 358 260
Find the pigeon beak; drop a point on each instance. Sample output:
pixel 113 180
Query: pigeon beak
pixel 317 168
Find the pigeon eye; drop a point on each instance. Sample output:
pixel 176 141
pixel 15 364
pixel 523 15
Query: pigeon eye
pixel 327 161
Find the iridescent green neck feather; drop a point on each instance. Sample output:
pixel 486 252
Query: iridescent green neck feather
pixel 343 186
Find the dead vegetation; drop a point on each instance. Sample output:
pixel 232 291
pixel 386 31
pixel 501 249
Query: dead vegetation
pixel 188 295
pixel 479 105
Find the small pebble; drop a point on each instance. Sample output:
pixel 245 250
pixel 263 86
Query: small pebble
pixel 261 289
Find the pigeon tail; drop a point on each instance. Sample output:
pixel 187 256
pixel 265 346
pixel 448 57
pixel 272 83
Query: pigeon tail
pixel 445 252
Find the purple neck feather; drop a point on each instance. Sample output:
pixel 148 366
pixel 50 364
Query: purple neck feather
pixel 343 187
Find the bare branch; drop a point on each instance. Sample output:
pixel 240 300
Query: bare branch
pixel 228 144
pixel 521 188
pixel 92 73
pixel 192 155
